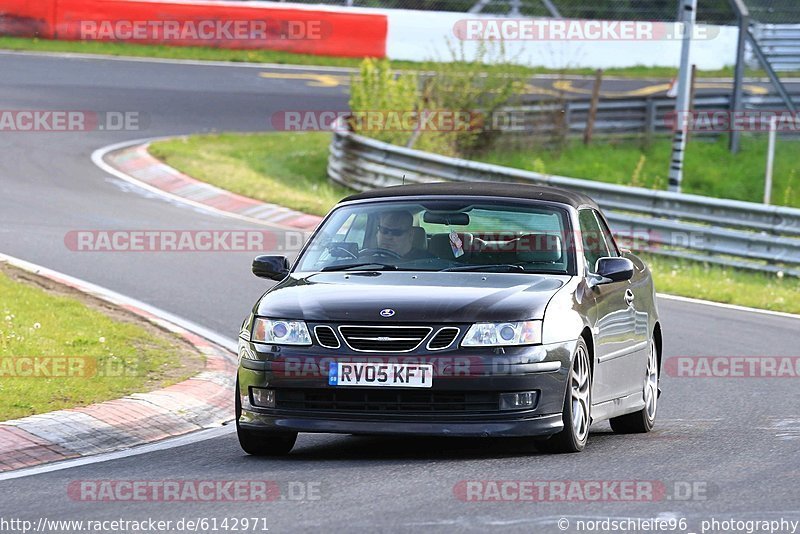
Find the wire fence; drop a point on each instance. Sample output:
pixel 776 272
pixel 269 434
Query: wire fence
pixel 774 11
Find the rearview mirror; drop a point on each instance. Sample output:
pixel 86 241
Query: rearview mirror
pixel 614 269
pixel 272 267
pixel 455 218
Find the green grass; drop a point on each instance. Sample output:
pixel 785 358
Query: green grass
pixel 710 169
pixel 199 53
pixel 289 169
pixel 720 284
pixel 282 168
pixel 39 323
pixel 270 56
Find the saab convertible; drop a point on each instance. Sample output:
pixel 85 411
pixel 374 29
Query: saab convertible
pixel 455 309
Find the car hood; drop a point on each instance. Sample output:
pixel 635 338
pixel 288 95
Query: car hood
pixel 414 296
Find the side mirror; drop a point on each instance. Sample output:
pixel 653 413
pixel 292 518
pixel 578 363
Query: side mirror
pixel 614 269
pixel 272 267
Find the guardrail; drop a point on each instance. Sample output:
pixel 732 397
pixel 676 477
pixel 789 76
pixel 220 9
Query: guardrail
pixel 727 232
pixel 781 44
pixel 623 116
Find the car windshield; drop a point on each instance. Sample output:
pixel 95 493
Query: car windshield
pixel 483 235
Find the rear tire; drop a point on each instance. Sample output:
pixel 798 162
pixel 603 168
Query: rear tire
pixel 577 406
pixel 262 443
pixel 642 421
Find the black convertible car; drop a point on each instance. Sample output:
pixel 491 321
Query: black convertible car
pixel 453 309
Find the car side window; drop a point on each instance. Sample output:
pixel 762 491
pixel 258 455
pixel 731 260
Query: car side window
pixel 594 244
pixel 611 245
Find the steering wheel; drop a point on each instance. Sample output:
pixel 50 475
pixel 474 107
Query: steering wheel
pixel 380 253
pixel 337 246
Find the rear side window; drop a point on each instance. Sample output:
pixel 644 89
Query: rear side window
pixel 592 237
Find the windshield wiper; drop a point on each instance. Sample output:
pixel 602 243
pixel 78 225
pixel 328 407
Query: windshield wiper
pixel 347 266
pixel 500 267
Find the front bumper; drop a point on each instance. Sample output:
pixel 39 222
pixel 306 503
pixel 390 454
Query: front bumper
pixel 460 373
pixel 542 425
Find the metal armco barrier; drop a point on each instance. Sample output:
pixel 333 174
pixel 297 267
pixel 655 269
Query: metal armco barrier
pixel 621 116
pixel 727 232
pixel 781 45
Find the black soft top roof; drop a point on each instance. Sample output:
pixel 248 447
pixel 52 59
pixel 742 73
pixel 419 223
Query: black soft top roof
pixel 479 189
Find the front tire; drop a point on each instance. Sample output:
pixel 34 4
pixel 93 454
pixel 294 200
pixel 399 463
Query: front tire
pixel 577 406
pixel 262 443
pixel 642 421
pixel 266 444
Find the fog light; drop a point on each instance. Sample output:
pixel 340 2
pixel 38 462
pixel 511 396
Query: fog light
pixel 263 398
pixel 518 401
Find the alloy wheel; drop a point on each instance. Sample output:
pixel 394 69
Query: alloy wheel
pixel 580 381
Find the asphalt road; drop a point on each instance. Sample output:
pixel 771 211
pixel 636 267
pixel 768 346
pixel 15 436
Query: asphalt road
pixel 567 86
pixel 735 441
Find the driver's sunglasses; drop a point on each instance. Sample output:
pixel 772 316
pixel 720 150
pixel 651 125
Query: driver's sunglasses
pixel 397 232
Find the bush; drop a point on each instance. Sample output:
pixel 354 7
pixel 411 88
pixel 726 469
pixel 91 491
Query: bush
pixel 378 89
pixel 472 88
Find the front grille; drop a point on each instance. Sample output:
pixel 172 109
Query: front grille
pixel 443 338
pixel 326 337
pixel 384 338
pixel 363 400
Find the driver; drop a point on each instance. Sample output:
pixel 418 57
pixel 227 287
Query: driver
pixel 395 234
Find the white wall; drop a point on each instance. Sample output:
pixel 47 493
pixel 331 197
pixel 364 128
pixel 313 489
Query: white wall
pixel 422 35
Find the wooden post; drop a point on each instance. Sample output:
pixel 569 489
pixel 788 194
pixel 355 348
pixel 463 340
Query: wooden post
pixel 567 118
pixel 587 133
pixel 650 117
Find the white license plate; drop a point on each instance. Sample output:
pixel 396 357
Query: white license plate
pixel 380 374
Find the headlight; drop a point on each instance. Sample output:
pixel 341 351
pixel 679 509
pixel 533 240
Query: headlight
pixel 503 334
pixel 280 332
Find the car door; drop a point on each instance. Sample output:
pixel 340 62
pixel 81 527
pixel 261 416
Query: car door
pixel 614 327
pixel 642 293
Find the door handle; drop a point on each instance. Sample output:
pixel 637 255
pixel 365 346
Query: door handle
pixel 628 296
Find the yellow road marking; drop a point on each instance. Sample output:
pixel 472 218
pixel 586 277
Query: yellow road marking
pixel 531 89
pixel 313 80
pixel 752 89
pixel 567 87
pixel 559 86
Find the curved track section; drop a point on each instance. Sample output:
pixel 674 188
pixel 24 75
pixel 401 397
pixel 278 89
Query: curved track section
pixel 735 441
